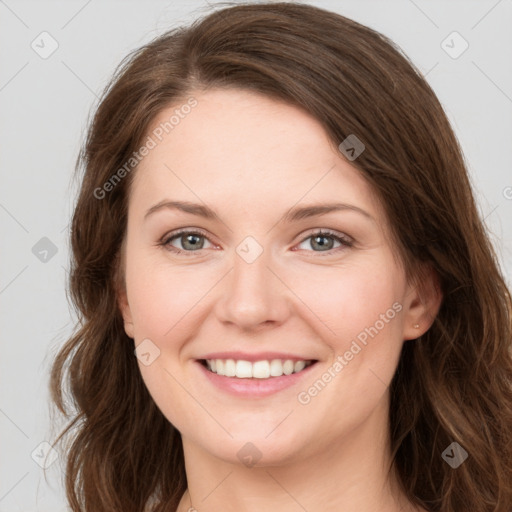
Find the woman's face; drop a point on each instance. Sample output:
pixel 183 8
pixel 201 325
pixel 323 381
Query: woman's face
pixel 256 288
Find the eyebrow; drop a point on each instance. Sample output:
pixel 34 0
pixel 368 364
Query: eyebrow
pixel 293 215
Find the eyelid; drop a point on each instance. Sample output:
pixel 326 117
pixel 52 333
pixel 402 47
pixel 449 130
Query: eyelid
pixel 329 232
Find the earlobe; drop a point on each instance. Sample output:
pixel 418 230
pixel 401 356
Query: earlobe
pixel 425 300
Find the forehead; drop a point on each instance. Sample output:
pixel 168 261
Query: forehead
pixel 245 148
pixel 241 127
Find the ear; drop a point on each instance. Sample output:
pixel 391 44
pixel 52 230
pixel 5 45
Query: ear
pixel 424 299
pixel 124 307
pixel 121 294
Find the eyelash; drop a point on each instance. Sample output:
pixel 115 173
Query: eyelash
pixel 344 240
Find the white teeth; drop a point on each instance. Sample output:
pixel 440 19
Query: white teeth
pixel 299 365
pixel 276 368
pixel 229 368
pixel 261 370
pixel 243 369
pixel 257 370
pixel 288 367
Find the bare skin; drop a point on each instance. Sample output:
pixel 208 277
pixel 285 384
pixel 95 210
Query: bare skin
pixel 252 159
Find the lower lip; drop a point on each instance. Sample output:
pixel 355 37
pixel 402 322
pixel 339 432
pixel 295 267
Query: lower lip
pixel 254 388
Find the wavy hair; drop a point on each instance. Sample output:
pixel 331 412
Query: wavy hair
pixel 452 384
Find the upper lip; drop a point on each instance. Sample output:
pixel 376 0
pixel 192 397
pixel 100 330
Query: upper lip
pixel 260 356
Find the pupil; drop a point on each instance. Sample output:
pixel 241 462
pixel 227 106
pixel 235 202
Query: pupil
pixel 188 239
pixel 322 245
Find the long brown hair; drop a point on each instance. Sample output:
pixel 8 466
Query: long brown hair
pixel 453 384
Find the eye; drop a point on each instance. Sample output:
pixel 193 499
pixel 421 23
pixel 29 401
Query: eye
pixel 190 241
pixel 320 239
pixel 193 241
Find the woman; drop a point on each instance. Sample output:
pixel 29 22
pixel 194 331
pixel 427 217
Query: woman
pixel 287 297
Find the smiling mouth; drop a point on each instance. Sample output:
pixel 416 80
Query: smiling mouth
pixel 265 369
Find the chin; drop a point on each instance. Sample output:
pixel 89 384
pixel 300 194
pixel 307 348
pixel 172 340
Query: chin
pixel 252 448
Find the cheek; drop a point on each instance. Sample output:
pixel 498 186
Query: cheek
pixel 362 310
pixel 361 322
pixel 162 298
pixel 346 301
pixel 165 305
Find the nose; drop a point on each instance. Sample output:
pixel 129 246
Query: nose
pixel 254 294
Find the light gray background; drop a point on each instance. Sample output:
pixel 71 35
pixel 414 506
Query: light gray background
pixel 45 104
